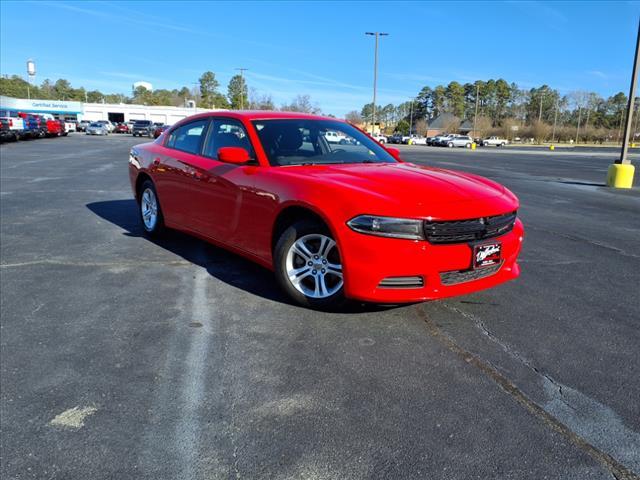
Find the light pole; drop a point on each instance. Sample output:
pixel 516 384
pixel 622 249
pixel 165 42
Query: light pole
pixel 555 121
pixel 242 70
pixel 375 75
pixel 620 174
pixel 31 72
pixel 411 121
pixel 475 115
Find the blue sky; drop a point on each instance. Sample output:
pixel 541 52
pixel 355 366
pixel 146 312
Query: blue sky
pixel 319 48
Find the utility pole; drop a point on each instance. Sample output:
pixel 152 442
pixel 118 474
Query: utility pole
pixel 540 114
pixel 555 121
pixel 475 115
pixel 411 121
pixel 242 70
pixel 632 96
pixel 375 75
pixel 579 117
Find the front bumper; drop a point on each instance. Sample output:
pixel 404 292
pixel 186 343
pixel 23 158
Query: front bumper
pixel 368 259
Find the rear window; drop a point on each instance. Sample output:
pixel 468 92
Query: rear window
pixel 142 123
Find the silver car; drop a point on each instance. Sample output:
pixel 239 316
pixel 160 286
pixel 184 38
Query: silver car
pixel 460 141
pixel 97 129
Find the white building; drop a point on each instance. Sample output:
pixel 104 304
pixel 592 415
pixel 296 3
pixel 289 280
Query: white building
pixel 115 112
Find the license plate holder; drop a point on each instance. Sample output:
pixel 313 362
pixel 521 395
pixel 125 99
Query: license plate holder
pixel 487 254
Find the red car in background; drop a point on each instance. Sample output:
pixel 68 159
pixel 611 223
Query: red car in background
pixel 158 130
pixel 121 128
pixel 333 221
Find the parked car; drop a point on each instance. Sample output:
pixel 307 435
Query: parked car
pixel 443 140
pixel 417 140
pixel 14 124
pixel 63 128
pixel 380 138
pixel 82 125
pixel 143 127
pixel 335 137
pixel 130 124
pixel 6 133
pixel 460 141
pixel 158 130
pixel 70 126
pixel 97 128
pixel 31 125
pixel 395 138
pixel 121 128
pixel 53 127
pixel 331 222
pixel 494 141
pixel 110 127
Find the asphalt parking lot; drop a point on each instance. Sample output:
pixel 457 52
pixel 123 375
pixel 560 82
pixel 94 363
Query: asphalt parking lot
pixel 125 358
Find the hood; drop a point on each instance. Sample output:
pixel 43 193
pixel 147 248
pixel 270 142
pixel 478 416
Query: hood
pixel 405 182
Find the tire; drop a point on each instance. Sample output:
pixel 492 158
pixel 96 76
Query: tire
pixel 468 145
pixel 308 291
pixel 501 145
pixel 147 196
pixel 450 145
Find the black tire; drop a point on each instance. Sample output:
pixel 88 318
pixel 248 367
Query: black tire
pixel 450 145
pixel 158 228
pixel 284 243
pixel 468 145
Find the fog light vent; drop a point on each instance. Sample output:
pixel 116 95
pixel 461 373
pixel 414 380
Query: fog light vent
pixel 402 282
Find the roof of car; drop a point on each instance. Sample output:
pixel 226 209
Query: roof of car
pixel 263 115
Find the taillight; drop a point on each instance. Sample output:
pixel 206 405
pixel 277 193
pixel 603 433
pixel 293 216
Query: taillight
pixel 10 123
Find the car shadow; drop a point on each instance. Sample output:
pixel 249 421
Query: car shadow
pixel 219 263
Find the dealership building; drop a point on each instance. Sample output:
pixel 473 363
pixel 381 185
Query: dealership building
pixel 114 112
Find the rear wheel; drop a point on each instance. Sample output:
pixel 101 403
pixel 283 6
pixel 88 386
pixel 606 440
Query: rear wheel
pixel 450 145
pixel 308 266
pixel 468 145
pixel 150 211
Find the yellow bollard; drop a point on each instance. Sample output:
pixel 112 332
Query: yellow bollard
pixel 620 175
pixel 633 145
pixel 552 147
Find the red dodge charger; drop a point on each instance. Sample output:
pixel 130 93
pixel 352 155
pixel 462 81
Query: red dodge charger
pixel 331 211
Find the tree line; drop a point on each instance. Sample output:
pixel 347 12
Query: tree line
pixel 206 94
pixel 506 109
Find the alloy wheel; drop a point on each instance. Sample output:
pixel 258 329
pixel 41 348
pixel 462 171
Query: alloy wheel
pixel 313 266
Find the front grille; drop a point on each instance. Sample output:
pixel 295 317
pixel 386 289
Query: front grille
pixel 402 282
pixel 461 276
pixel 459 231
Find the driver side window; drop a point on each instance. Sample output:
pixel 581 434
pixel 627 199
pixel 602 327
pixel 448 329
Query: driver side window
pixel 226 132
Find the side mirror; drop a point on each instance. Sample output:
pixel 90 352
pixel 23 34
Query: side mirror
pixel 234 155
pixel 395 153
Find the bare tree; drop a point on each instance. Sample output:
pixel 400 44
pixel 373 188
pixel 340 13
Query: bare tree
pixel 421 127
pixel 302 103
pixel 482 126
pixel 354 117
pixel 452 125
pixel 540 130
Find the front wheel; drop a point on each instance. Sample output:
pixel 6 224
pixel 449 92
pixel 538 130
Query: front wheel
pixel 308 266
pixel 450 145
pixel 468 145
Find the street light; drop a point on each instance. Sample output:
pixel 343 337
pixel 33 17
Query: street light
pixel 375 75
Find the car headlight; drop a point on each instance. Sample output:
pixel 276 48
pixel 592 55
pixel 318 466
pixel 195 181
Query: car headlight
pixel 388 226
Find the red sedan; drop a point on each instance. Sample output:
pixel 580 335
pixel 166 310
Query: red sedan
pixel 332 220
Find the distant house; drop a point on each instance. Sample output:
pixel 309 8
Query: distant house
pixel 440 123
pixel 466 127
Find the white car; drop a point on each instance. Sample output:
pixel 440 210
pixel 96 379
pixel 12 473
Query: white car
pixel 108 125
pixel 70 126
pixel 97 128
pixel 335 137
pixel 443 140
pixel 380 138
pixel 495 142
pixel 417 140
pixel 460 141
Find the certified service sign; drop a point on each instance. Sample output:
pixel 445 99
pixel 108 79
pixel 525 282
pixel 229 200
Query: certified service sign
pixel 42 106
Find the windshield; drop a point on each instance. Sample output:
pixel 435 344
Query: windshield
pixel 143 122
pixel 310 142
pixel 96 125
